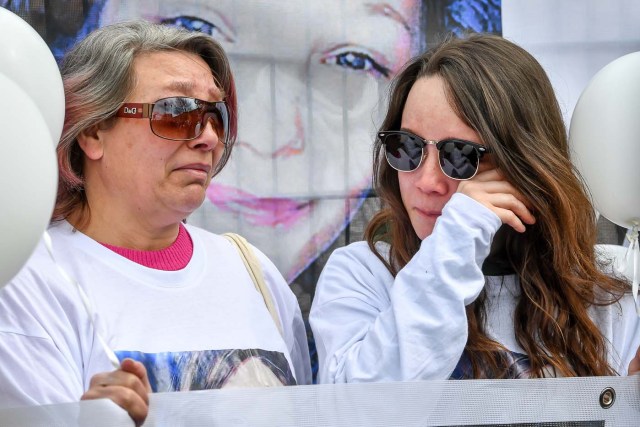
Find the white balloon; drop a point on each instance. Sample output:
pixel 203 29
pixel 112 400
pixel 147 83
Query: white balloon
pixel 27 60
pixel 28 177
pixel 605 139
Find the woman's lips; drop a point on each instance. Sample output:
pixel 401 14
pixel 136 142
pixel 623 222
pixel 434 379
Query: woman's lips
pixel 262 211
pixel 198 170
pixel 429 213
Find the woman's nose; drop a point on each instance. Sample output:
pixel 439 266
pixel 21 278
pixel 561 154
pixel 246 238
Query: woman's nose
pixel 209 138
pixel 275 96
pixel 429 176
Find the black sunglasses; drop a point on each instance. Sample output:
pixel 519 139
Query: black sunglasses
pixel 459 159
pixel 180 118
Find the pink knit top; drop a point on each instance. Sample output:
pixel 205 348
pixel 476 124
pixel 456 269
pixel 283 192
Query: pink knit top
pixel 175 257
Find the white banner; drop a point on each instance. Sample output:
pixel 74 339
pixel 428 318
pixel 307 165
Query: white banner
pixel 569 402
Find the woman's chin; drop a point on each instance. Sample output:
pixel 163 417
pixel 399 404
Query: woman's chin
pixel 189 201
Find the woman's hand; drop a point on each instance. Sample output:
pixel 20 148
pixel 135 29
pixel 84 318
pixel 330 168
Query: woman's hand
pixel 128 387
pixel 490 189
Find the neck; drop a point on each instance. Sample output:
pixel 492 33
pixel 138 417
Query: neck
pixel 115 219
pixel 126 231
pixel 174 257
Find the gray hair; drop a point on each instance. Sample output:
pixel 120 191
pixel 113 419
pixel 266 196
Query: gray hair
pixel 98 76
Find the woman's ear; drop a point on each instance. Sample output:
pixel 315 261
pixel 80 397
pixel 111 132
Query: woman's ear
pixel 91 142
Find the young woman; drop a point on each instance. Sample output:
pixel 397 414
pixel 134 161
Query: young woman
pixel 481 263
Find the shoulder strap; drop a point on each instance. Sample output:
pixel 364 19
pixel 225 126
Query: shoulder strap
pixel 255 272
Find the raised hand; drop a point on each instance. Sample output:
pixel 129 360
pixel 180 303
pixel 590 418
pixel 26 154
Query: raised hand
pixel 490 189
pixel 128 387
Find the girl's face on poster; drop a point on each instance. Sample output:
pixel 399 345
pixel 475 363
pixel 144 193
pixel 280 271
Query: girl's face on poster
pixel 310 76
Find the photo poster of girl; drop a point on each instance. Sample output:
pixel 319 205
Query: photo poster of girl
pixel 311 77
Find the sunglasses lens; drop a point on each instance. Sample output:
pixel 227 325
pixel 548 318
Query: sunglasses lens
pixel 219 116
pixel 176 118
pixel 458 160
pixel 182 118
pixel 403 152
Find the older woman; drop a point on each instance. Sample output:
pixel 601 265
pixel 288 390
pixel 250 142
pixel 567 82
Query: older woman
pixel 150 119
pixel 481 263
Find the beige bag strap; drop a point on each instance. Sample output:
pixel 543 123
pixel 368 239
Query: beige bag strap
pixel 255 272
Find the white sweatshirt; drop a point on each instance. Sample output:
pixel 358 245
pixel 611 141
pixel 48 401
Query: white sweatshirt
pixel 369 326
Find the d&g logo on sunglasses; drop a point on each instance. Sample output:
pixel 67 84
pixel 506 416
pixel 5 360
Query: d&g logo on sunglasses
pixel 128 110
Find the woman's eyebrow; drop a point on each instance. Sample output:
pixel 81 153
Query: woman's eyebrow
pixel 385 9
pixel 187 87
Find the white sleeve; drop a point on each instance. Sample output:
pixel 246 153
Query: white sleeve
pixel 618 322
pixel 39 357
pixel 369 326
pixel 295 335
pixel 35 372
pixel 625 334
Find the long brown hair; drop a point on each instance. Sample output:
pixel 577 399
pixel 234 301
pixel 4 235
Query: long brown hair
pixel 502 92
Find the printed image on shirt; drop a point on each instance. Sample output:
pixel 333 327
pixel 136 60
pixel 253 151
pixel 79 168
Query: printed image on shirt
pixel 212 369
pixel 517 366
